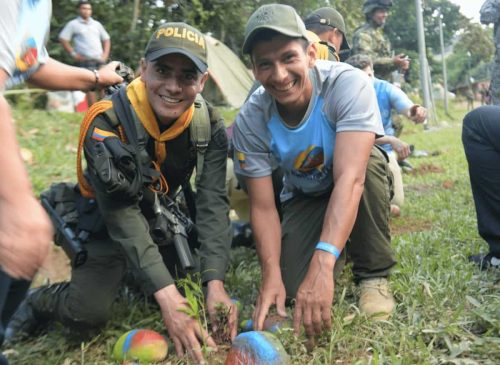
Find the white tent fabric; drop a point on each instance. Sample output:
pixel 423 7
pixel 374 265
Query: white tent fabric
pixel 230 80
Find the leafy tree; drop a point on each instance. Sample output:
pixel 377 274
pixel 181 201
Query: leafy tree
pixel 471 53
pixel 401 27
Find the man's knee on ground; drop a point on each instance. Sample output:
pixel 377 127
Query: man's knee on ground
pixel 87 315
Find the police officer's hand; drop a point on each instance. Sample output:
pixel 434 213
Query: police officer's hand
pixel 272 291
pixel 25 235
pixel 186 333
pixel 217 297
pixel 315 296
pixel 108 75
pixel 402 62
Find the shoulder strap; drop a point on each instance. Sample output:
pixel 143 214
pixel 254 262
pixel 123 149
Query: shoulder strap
pixel 200 133
pixel 96 109
pixel 135 133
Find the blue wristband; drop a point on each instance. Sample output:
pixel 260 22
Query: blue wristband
pixel 323 246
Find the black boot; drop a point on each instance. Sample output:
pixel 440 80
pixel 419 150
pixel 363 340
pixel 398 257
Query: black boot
pixel 36 310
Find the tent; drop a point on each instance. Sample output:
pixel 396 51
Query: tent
pixel 230 80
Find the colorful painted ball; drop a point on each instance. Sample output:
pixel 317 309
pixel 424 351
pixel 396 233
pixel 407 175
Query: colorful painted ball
pixel 257 348
pixel 142 345
pixel 273 324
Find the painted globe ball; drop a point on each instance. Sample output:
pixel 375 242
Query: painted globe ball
pixel 142 345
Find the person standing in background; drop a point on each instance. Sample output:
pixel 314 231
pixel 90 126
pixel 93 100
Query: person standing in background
pixel 370 40
pixel 91 42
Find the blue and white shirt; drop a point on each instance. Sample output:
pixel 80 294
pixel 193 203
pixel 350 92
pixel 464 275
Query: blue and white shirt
pixel 390 97
pixel 343 100
pixel 24 30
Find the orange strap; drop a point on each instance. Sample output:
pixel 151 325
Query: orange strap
pixel 96 109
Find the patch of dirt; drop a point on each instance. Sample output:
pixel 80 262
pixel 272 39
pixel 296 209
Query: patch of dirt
pixel 420 188
pixel 448 184
pixel 56 268
pixel 409 225
pixel 426 168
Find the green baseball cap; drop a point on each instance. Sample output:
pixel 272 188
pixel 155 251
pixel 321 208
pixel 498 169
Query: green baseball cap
pixel 329 17
pixel 180 38
pixel 278 17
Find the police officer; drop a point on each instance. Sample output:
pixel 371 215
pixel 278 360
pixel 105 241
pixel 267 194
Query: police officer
pixel 369 39
pixel 163 105
pixel 330 27
pixel 490 13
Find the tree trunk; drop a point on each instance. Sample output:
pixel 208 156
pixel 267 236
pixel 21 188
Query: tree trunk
pixel 135 15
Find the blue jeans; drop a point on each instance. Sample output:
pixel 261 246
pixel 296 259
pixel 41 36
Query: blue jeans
pixel 481 140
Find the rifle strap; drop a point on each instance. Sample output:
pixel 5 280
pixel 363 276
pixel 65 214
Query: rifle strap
pixel 200 134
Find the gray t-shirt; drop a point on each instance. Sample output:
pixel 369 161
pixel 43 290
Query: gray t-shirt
pixel 87 37
pixel 24 30
pixel 343 100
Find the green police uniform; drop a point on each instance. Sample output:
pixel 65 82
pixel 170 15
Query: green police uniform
pixel 86 300
pixel 132 158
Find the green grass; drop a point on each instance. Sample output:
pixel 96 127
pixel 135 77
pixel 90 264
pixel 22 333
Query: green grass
pixel 448 312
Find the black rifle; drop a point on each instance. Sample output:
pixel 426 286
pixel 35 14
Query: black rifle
pixel 70 243
pixel 171 224
pixel 126 73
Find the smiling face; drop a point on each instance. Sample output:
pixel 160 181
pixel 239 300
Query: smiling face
pixel 172 82
pixel 282 65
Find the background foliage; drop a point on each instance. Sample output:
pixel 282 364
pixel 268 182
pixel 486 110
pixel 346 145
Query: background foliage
pixel 131 22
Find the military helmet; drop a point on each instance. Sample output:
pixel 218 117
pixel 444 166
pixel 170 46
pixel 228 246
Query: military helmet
pixel 370 5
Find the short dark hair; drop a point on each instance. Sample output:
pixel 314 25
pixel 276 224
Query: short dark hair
pixel 266 34
pixel 82 2
pixel 360 61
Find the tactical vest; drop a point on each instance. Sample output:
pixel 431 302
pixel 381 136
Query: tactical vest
pixel 199 128
pixel 123 117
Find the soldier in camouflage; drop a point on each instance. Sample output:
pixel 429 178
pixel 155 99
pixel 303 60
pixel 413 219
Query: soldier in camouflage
pixel 369 39
pixel 490 13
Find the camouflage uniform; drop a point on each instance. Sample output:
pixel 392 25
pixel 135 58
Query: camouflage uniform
pixel 370 40
pixel 490 13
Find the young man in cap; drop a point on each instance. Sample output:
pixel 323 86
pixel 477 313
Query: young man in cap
pixel 330 27
pixel 164 108
pixel 370 40
pixel 317 121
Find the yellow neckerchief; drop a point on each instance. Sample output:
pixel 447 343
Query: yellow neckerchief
pixel 136 93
